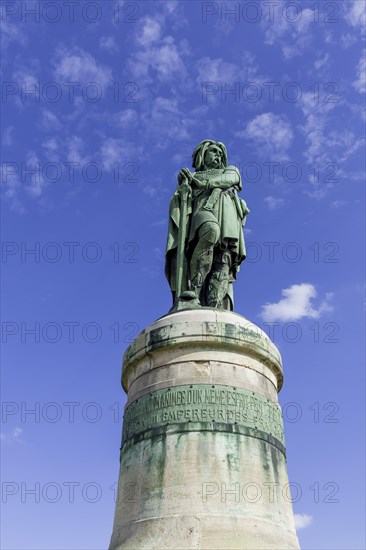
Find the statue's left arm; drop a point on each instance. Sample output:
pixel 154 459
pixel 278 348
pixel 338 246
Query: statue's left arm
pixel 229 178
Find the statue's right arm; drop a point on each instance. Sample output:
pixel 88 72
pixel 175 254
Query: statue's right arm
pixel 229 178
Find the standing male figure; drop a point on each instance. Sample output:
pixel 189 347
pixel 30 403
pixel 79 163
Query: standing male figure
pixel 211 225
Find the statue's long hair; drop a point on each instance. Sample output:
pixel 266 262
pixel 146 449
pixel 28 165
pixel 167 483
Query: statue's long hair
pixel 198 155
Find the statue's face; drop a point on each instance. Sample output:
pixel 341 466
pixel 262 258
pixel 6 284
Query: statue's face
pixel 212 157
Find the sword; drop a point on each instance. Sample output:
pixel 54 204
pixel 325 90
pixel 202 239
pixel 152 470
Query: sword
pixel 184 190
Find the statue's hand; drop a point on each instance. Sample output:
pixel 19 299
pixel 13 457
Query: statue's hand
pixel 184 175
pixel 198 183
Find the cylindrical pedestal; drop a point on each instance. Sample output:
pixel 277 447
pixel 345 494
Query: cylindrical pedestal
pixel 203 454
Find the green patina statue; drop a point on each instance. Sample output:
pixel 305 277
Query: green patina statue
pixel 205 245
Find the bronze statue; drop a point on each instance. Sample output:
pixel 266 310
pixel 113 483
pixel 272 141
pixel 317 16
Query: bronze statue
pixel 205 245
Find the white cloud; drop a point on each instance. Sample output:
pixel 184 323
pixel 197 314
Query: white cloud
pixel 348 39
pixel 26 76
pixel 108 43
pixel 36 182
pixel 345 143
pixel 30 178
pixel 150 190
pixel 168 122
pixel 13 437
pixel 326 147
pixel 50 121
pixel 360 83
pixel 126 118
pixel 77 65
pixel 302 521
pixel 12 33
pixel 355 14
pixel 150 31
pixel 162 60
pixel 290 28
pixel 159 223
pixel 159 58
pixel 324 144
pixel 111 151
pixel 52 148
pixel 17 432
pixel 222 72
pixel 297 303
pixel 321 61
pixel 274 202
pixel 337 204
pixel 271 133
pixel 116 150
pixel 11 186
pixel 76 150
pixel 217 70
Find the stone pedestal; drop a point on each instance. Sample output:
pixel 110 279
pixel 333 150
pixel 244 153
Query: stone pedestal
pixel 203 454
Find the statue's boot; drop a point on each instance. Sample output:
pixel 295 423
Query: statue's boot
pixel 196 285
pixel 202 257
pixel 218 283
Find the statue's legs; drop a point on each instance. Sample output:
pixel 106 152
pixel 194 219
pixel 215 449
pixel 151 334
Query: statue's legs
pixel 218 281
pixel 202 257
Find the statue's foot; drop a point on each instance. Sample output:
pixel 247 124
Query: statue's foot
pixel 188 296
pixel 187 300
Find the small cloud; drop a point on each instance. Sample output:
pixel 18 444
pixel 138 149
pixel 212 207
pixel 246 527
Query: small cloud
pixel 126 118
pixel 158 253
pixel 114 151
pixel 216 70
pixel 108 43
pixel 302 521
pixel 26 76
pixel 297 303
pixel 338 204
pixel 52 148
pixel 37 182
pixel 292 35
pixel 165 122
pixel 49 121
pixel 11 187
pixel 162 60
pixel 360 83
pixel 320 62
pixel 17 432
pixel 348 40
pixel 11 32
pixel 151 31
pixel 76 150
pixel 77 65
pixel 159 223
pixel 13 437
pixel 274 202
pixel 355 14
pixel 322 145
pixel 271 133
pixel 150 190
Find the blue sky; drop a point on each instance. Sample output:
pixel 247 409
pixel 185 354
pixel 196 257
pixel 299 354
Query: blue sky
pixel 122 94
